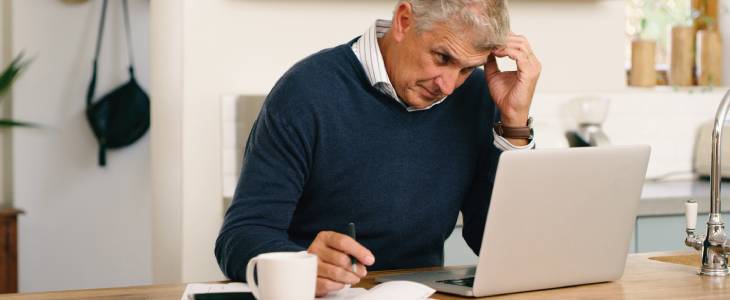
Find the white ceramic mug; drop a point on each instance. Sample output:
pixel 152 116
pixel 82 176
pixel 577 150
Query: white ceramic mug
pixel 283 275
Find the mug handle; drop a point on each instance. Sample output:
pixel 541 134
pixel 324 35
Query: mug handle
pixel 250 279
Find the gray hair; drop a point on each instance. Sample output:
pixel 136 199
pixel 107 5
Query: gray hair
pixel 486 20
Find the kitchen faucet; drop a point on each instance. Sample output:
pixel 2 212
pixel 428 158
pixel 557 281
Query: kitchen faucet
pixel 714 245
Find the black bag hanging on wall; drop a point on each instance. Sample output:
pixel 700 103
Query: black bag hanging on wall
pixel 122 116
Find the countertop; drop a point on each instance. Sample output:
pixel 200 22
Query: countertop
pixel 668 197
pixel 659 275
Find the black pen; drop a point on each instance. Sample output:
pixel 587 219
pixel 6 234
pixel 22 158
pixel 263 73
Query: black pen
pixel 351 233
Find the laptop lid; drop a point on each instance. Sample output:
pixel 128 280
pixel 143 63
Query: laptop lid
pixel 560 217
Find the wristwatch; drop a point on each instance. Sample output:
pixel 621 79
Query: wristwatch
pixel 524 132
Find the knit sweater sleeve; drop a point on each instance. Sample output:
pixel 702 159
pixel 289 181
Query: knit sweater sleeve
pixel 474 208
pixel 276 168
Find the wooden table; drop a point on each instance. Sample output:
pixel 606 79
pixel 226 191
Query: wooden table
pixel 659 275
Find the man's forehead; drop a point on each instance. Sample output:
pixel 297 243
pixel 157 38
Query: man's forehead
pixel 465 57
pixel 458 45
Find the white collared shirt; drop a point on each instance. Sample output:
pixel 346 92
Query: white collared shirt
pixel 367 50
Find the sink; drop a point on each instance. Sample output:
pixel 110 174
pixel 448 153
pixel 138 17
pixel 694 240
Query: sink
pixel 692 259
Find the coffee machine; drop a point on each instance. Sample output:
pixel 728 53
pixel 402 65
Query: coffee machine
pixel 589 113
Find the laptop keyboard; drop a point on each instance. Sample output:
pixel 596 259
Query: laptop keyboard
pixel 468 282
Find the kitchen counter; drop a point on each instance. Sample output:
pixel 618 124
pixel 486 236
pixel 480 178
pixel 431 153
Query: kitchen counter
pixel 668 197
pixel 664 275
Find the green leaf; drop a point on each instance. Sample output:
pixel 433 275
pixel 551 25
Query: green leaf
pixel 11 123
pixel 11 73
pixel 643 24
pixel 7 77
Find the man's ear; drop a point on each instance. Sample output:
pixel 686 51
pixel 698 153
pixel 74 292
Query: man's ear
pixel 403 21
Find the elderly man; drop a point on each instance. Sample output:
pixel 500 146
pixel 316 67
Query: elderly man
pixel 396 131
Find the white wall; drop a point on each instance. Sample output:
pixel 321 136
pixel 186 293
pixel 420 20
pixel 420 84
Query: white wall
pixel 665 119
pixel 580 43
pixel 242 47
pixel 166 136
pixel 85 226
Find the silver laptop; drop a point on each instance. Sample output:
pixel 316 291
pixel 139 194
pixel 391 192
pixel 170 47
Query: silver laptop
pixel 557 217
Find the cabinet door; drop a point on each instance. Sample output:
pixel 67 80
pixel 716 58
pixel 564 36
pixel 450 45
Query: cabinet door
pixel 5 272
pixel 8 254
pixel 632 245
pixel 663 233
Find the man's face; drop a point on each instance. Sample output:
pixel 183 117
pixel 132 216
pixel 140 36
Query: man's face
pixel 427 66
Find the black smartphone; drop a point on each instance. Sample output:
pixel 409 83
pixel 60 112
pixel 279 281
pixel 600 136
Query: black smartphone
pixel 224 296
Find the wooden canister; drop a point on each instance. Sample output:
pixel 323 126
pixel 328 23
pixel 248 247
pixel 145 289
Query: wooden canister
pixel 642 63
pixel 707 13
pixel 682 56
pixel 709 57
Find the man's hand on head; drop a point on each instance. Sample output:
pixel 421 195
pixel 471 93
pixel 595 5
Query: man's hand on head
pixel 512 91
pixel 334 267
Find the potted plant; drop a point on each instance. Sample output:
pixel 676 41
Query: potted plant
pixel 7 77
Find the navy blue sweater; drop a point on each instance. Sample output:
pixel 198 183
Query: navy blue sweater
pixel 328 149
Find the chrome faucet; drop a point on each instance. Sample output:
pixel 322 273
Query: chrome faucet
pixel 714 245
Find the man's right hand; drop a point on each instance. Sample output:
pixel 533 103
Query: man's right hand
pixel 334 268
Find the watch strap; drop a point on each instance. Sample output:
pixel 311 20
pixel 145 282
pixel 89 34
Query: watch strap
pixel 521 132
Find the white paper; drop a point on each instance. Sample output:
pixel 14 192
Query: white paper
pixel 345 294
pixel 393 290
pixel 204 288
pixel 401 290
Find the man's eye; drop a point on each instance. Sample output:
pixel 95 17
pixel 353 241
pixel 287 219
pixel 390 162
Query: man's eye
pixel 442 58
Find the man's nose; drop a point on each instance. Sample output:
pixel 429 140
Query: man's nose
pixel 447 82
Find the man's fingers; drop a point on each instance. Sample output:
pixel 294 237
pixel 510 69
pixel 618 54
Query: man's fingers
pixel 527 66
pixel 336 273
pixel 512 51
pixel 325 286
pixel 519 42
pixel 518 39
pixel 334 257
pixel 491 67
pixel 349 246
pixel 523 45
pixel 361 270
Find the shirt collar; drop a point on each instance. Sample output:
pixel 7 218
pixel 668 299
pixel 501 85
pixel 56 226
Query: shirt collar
pixel 367 50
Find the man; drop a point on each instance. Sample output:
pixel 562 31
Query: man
pixel 392 131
